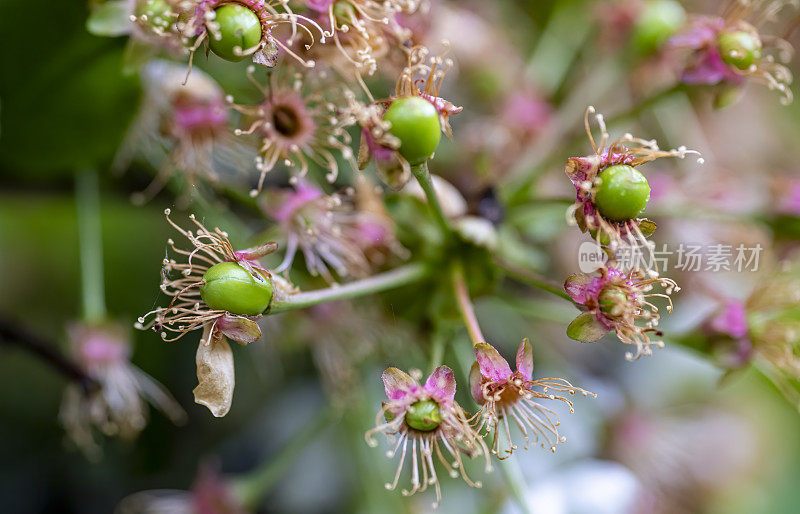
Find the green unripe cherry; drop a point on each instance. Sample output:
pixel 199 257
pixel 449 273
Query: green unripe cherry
pixel 230 287
pixel 657 22
pixel 415 122
pixel 739 49
pixel 342 10
pixel 239 27
pixel 424 416
pixel 157 12
pixel 622 193
pixel 609 298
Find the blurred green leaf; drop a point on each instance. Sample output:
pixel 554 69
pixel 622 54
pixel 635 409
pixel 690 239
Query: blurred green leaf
pixel 110 19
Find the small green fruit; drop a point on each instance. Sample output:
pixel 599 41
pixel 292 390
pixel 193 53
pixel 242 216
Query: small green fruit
pixel 657 22
pixel 342 10
pixel 611 300
pixel 230 287
pixel 239 27
pixel 739 49
pixel 415 122
pixel 622 194
pixel 424 416
pixel 157 12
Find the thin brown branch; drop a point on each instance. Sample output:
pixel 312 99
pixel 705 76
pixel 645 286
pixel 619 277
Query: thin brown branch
pixel 14 335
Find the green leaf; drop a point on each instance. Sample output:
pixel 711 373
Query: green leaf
pixel 110 19
pixel 137 54
pixel 513 249
pixel 586 329
pixel 647 227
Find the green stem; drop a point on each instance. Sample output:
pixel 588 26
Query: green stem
pixel 391 279
pixel 242 199
pixel 516 482
pixel 437 349
pixel 252 487
pixel 47 351
pixel 90 239
pixel 533 279
pixel 646 103
pixel 465 306
pixel 542 309
pixel 423 176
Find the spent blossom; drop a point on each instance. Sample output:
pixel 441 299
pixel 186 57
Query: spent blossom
pixel 382 138
pixel 298 123
pixel 426 420
pixel 361 31
pixel 618 301
pixel 729 49
pixel 219 290
pixel 686 457
pixel 765 329
pixel 182 130
pixel 210 493
pixel 509 398
pixel 331 231
pixel 608 210
pixel 119 406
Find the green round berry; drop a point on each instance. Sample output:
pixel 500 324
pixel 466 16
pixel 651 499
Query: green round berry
pixel 739 49
pixel 415 122
pixel 239 28
pixel 157 12
pixel 656 23
pixel 424 416
pixel 229 287
pixel 610 298
pixel 622 193
pixel 342 10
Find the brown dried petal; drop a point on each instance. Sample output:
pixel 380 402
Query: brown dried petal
pixel 241 329
pixel 214 374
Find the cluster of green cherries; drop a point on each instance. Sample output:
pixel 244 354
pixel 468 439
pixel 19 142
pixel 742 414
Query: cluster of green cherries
pixel 228 286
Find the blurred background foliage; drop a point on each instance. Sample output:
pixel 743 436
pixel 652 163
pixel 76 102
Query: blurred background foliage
pixel 66 105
